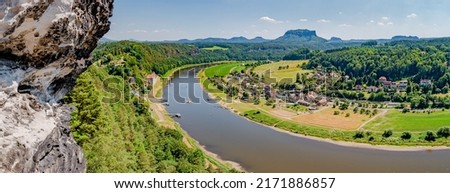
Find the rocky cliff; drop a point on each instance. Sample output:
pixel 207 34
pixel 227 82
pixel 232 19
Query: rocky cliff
pixel 44 46
pixel 300 35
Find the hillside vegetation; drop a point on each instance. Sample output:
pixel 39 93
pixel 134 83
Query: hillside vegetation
pixel 112 121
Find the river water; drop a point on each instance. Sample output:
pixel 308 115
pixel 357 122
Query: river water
pixel 258 148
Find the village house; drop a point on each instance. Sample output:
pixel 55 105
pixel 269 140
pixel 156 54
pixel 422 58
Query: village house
pixel 425 82
pixel 322 102
pixel 304 103
pixel 311 96
pixel 269 92
pixel 382 79
pixel 358 87
pixel 393 85
pixel 293 98
pixel 387 84
pixel 372 89
pixel 152 79
pixel 403 85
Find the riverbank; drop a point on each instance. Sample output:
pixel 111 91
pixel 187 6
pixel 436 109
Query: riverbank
pixel 165 78
pixel 337 137
pixel 163 118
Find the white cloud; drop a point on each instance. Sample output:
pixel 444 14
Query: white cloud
pixel 269 20
pixel 372 21
pixel 303 20
pixel 138 31
pixel 384 21
pixel 340 13
pixel 412 15
pixel 161 31
pixel 345 25
pixel 323 21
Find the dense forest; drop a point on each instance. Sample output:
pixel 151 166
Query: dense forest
pixel 112 121
pixel 424 65
pixel 148 57
pixel 367 64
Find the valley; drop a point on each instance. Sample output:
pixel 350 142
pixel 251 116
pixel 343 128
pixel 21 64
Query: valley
pixel 334 96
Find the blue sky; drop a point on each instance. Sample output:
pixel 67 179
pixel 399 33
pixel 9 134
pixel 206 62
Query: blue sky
pixel 157 20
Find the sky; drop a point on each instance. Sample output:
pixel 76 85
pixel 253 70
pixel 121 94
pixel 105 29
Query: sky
pixel 157 20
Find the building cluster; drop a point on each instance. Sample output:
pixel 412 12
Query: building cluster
pixel 255 88
pixel 392 85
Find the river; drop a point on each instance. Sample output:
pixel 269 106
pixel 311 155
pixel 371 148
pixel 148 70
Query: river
pixel 258 148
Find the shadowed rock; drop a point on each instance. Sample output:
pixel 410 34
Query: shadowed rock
pixel 44 46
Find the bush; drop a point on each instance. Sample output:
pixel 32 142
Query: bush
pixel 358 135
pixel 371 138
pixel 336 113
pixel 444 132
pixel 375 112
pixel 406 135
pixel 430 136
pixel 347 115
pixel 362 111
pixel 344 106
pixel 387 133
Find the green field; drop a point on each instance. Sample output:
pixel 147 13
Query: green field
pixel 284 75
pixel 224 69
pixel 413 122
pixel 214 48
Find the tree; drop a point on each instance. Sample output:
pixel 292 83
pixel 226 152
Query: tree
pixel 387 133
pixel 444 132
pixel 358 135
pixel 430 136
pixel 406 135
pixel 344 106
pixel 419 102
pixel 245 96
pixel 370 43
pixel 88 117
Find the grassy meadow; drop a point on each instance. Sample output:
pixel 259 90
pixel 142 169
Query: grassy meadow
pixel 284 75
pixel 224 69
pixel 214 48
pixel 413 122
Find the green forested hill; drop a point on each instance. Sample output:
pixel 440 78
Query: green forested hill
pixel 158 58
pixel 112 121
pixel 396 62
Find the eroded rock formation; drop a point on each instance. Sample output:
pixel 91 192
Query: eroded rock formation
pixel 44 46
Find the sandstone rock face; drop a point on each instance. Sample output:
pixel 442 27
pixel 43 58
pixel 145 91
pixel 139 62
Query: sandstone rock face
pixel 36 137
pixel 44 46
pixel 53 39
